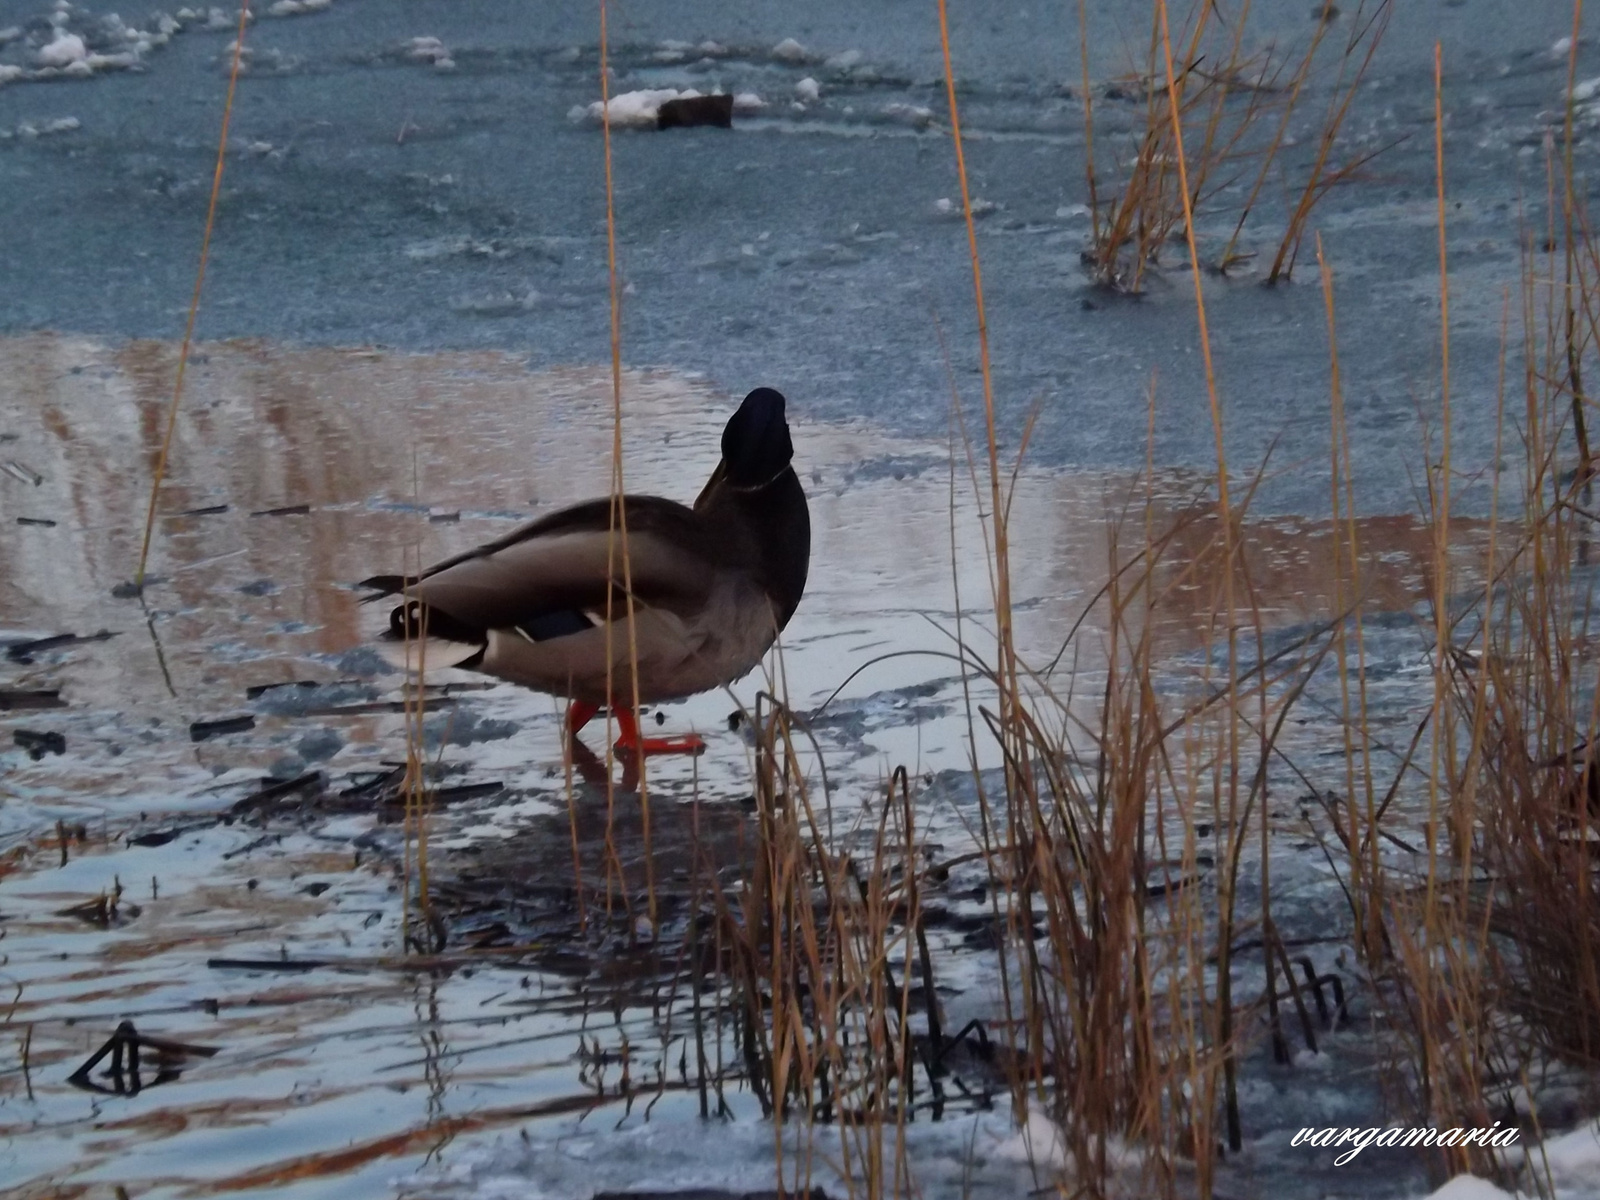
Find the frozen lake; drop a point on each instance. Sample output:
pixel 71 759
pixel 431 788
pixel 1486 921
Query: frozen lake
pixel 400 335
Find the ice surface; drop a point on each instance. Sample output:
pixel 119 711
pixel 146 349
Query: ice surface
pixel 982 1156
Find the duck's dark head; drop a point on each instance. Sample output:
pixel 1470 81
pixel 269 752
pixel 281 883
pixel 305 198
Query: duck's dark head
pixel 755 444
pixel 754 500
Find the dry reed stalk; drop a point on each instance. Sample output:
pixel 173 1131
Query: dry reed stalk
pixel 1269 156
pixel 1320 180
pixel 1009 724
pixel 1000 549
pixel 414 787
pixel 194 304
pixel 1227 817
pixel 1440 481
pixel 1438 950
pixel 1360 830
pixel 1569 206
pixel 618 541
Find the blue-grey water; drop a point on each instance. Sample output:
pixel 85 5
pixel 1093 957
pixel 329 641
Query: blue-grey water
pixel 374 197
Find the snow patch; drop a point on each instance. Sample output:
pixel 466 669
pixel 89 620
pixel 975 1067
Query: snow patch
pixel 66 49
pixel 294 8
pixel 1587 90
pixel 1470 1187
pixel 1038 1142
pixel 748 102
pixel 808 90
pixel 28 130
pixel 790 50
pixel 947 207
pixel 1574 1158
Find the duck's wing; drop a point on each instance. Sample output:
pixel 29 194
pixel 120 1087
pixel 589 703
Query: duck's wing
pixel 547 576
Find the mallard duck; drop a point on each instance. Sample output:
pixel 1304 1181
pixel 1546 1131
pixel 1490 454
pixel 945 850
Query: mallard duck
pixel 546 606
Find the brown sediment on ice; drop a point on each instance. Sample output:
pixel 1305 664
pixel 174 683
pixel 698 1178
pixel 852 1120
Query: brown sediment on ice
pixel 369 445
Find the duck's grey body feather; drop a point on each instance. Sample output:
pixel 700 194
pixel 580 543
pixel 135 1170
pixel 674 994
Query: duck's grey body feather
pixel 711 586
pixel 679 653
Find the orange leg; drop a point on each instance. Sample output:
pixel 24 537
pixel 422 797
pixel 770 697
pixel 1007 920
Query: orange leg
pixel 688 743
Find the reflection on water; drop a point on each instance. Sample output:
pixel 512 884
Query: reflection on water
pixel 406 458
pixel 297 471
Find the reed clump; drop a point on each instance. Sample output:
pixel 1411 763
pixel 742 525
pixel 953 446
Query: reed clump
pixel 825 966
pixel 1237 104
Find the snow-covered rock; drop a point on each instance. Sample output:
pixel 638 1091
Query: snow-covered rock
pixel 633 110
pixel 430 50
pixel 914 115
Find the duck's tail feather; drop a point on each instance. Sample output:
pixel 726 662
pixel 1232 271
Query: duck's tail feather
pixel 386 585
pixel 420 635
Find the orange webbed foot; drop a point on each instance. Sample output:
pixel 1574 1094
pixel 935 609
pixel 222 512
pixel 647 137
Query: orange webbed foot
pixel 631 741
